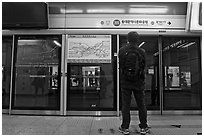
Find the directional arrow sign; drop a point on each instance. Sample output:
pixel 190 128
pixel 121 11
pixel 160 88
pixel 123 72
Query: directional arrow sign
pixel 169 23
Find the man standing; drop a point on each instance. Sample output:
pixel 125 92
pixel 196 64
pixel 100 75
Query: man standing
pixel 132 64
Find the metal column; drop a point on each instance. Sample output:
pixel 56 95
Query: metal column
pixel 11 81
pixel 118 78
pixel 160 73
pixel 62 76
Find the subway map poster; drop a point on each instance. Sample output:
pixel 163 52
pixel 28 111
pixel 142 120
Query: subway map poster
pixel 89 49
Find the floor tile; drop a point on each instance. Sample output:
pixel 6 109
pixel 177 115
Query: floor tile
pixel 58 125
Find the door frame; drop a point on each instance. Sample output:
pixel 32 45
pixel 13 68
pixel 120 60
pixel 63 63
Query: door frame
pixel 65 86
pixel 160 74
pixel 11 110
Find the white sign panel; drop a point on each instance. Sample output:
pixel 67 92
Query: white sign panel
pixel 89 49
pixel 126 21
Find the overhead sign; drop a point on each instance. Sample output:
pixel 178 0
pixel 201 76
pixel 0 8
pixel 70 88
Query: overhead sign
pixel 118 21
pixel 128 21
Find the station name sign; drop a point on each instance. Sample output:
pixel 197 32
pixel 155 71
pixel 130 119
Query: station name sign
pixel 140 22
pixel 145 23
pixel 127 21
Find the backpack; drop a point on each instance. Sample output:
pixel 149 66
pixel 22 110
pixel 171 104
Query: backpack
pixel 133 65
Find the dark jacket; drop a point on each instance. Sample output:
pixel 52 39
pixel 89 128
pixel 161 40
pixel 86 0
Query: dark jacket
pixel 139 85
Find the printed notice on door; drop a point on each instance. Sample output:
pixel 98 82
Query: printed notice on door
pixel 89 49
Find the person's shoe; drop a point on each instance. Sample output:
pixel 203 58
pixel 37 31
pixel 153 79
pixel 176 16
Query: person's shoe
pixel 144 131
pixel 124 131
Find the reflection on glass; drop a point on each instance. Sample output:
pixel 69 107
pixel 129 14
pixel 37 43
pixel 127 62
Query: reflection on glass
pixel 91 76
pixel 6 70
pixel 91 87
pixel 152 76
pixel 39 80
pixel 182 74
pixel 37 83
pixel 174 78
pixel 37 51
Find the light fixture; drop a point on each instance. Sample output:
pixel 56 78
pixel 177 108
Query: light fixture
pixel 189 44
pixel 57 43
pixel 148 6
pixel 105 11
pixel 71 10
pixel 141 44
pixel 23 42
pixel 148 10
pixel 182 45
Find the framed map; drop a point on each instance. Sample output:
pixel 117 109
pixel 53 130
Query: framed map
pixel 89 49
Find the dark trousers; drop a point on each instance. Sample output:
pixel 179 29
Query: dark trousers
pixel 126 100
pixel 37 88
pixel 155 97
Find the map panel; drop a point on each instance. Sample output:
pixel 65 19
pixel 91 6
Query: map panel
pixel 89 49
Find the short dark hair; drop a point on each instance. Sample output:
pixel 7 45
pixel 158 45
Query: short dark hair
pixel 133 36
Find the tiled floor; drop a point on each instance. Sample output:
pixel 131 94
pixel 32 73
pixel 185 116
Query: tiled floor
pixel 60 125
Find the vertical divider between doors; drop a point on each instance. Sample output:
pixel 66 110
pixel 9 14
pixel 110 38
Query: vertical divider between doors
pixel 118 78
pixel 63 101
pixel 160 73
pixel 65 74
pixel 11 80
pixel 62 76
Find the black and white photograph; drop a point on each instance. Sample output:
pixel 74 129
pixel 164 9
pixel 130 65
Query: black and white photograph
pixel 101 68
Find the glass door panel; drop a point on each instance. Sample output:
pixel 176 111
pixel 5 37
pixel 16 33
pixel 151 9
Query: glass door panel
pixel 91 87
pixel 37 72
pixel 182 73
pixel 150 45
pixel 7 43
pixel 91 67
